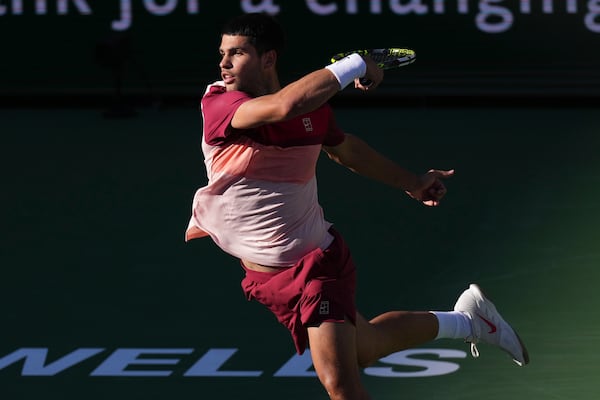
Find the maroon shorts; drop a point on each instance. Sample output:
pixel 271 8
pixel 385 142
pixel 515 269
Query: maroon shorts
pixel 320 287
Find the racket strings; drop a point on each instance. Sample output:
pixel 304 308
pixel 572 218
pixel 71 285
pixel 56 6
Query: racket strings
pixel 392 58
pixel 383 59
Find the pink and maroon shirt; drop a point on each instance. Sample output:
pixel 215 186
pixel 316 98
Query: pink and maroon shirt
pixel 260 203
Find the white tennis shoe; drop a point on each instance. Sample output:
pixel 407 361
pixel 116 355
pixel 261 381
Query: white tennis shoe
pixel 488 326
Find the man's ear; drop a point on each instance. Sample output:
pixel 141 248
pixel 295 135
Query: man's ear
pixel 270 58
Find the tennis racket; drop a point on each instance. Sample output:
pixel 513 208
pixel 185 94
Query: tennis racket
pixel 386 58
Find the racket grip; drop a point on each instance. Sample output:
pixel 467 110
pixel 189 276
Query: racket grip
pixel 365 81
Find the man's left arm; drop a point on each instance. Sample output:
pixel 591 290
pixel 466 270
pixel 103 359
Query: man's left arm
pixel 358 156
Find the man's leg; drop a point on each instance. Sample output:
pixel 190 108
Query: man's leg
pixel 474 319
pixel 391 332
pixel 340 350
pixel 333 350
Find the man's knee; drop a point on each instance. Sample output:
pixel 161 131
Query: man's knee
pixel 342 389
pixel 366 361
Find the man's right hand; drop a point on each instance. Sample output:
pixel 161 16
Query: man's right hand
pixel 373 77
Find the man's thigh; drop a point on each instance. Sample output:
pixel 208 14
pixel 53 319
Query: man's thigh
pixel 333 351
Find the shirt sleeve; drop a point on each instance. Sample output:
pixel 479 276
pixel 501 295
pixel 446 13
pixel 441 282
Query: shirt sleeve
pixel 218 109
pixel 335 134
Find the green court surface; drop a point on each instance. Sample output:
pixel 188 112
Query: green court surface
pixel 102 299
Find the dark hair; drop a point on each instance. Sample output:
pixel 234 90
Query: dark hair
pixel 263 31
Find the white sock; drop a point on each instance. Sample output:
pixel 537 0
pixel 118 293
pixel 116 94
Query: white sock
pixel 452 324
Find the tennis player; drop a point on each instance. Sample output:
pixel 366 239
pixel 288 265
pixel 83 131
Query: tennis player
pixel 261 142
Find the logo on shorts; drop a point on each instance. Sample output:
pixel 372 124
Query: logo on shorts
pixel 307 124
pixel 324 308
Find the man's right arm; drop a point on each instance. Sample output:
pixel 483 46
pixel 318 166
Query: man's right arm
pixel 304 95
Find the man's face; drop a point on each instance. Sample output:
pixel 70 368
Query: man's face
pixel 240 64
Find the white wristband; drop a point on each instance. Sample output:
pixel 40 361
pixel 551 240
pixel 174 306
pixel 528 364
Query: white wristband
pixel 348 69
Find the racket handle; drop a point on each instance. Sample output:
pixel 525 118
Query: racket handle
pixel 365 81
